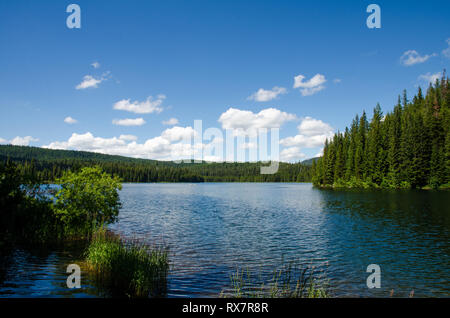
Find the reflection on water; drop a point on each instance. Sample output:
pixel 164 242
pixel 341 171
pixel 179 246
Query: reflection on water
pixel 40 272
pixel 212 229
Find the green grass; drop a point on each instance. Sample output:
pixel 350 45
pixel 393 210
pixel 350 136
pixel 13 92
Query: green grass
pixel 291 281
pixel 127 268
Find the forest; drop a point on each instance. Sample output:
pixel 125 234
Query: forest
pixel 46 165
pixel 408 147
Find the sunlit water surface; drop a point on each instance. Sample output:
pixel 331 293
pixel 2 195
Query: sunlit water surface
pixel 212 229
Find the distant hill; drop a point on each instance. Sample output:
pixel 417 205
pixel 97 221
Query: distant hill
pixel 309 162
pixel 27 153
pixel 48 164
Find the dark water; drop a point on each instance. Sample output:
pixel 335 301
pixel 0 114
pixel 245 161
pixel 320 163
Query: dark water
pixel 214 228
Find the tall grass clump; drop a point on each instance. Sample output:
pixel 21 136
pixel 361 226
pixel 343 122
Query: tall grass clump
pixel 290 281
pixel 127 268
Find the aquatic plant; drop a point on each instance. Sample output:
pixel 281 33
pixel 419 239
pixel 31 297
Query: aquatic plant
pixel 290 281
pixel 125 267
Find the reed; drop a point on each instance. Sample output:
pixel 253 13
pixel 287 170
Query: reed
pixel 127 268
pixel 290 281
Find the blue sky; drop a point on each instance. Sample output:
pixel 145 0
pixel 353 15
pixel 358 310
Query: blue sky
pixel 207 58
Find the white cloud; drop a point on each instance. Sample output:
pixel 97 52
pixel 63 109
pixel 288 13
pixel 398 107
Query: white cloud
pixel 304 141
pixel 128 137
pixel 310 87
pixel 70 120
pixel 312 133
pixel 337 80
pixel 178 133
pixel 247 122
pixel 3 141
pixel 146 107
pixel 430 78
pixel 89 82
pixel 291 154
pixel 312 127
pixel 311 91
pixel 95 65
pixel 129 122
pixel 249 145
pixel 412 57
pixel 87 142
pixel 263 95
pixel 170 122
pixel 172 144
pixel 446 52
pixel 22 141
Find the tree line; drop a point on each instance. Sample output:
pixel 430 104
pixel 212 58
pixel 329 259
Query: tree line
pixel 46 165
pixel 409 147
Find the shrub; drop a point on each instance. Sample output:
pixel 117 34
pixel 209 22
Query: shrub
pixel 87 199
pixel 26 213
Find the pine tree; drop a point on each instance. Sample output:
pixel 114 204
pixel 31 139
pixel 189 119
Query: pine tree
pixel 394 155
pixel 374 147
pixel 408 147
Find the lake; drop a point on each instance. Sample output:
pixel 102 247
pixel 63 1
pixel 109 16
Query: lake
pixel 212 229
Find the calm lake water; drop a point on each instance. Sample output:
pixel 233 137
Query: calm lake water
pixel 214 228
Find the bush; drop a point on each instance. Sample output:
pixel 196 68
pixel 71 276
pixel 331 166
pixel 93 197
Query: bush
pixel 35 213
pixel 87 200
pixel 26 213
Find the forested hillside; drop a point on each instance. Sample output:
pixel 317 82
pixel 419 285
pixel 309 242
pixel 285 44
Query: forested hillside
pixel 407 148
pixel 46 165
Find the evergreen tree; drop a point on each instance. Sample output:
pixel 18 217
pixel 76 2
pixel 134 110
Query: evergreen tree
pixel 408 147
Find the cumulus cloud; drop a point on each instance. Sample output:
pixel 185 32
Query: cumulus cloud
pixel 95 65
pixel 312 133
pixel 128 137
pixel 172 144
pixel 249 145
pixel 446 52
pixel 70 120
pixel 129 122
pixel 170 122
pixel 313 127
pixel 412 57
pixel 263 95
pixel 304 141
pixel 247 122
pixel 178 133
pixel 3 141
pixel 21 141
pixel 148 106
pixel 310 87
pixel 429 77
pixel 291 154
